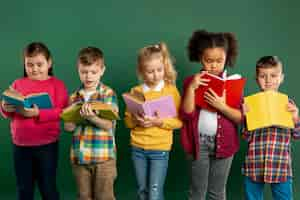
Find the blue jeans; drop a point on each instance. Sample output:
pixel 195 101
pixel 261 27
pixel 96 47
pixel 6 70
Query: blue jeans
pixel 280 191
pixel 150 169
pixel 36 164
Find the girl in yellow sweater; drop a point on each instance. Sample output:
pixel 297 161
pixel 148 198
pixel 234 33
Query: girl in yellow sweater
pixel 152 137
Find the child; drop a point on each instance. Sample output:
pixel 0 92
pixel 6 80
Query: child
pixel 210 137
pixel 151 137
pixel 93 151
pixel 268 159
pixel 35 131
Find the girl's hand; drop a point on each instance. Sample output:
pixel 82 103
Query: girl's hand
pixel 198 80
pixel 138 119
pixel 86 111
pixel 69 126
pixel 30 112
pixel 214 100
pixel 294 110
pixel 153 121
pixel 8 107
pixel 146 122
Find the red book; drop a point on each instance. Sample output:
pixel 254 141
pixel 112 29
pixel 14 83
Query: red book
pixel 234 86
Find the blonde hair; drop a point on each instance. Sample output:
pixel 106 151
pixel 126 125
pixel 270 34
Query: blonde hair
pixel 150 52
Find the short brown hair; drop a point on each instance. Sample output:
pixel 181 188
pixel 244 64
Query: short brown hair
pixel 90 55
pixel 268 62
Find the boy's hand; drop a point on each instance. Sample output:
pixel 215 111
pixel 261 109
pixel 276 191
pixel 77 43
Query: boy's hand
pixel 69 126
pixel 198 80
pixel 294 110
pixel 245 108
pixel 214 100
pixel 86 111
pixel 8 107
pixel 29 112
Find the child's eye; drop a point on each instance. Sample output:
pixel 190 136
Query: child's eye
pixel 29 65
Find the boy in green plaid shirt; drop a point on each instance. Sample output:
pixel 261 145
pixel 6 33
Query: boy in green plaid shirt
pixel 93 151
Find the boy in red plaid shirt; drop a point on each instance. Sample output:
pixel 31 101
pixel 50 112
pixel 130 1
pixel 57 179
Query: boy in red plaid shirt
pixel 268 159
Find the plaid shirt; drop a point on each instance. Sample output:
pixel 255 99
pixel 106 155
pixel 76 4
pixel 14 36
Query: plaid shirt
pixel 91 144
pixel 268 158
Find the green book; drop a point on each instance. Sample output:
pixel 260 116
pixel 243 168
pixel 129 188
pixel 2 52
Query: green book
pixel 72 112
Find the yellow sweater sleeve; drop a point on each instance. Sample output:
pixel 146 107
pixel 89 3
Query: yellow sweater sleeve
pixel 174 122
pixel 128 120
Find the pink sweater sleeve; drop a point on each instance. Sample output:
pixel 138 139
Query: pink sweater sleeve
pixel 6 114
pixel 60 101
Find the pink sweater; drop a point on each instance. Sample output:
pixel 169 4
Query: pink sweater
pixel 45 128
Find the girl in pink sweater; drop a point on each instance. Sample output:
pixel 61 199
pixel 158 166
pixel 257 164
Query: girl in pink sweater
pixel 35 131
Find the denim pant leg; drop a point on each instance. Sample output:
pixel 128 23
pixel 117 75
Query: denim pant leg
pixel 253 190
pixel 23 166
pixel 209 174
pixel 199 170
pixel 282 191
pixel 140 164
pixel 46 158
pixel 218 175
pixel 158 166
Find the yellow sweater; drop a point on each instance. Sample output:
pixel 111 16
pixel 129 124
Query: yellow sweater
pixel 155 138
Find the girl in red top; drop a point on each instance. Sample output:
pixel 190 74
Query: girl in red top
pixel 210 137
pixel 35 131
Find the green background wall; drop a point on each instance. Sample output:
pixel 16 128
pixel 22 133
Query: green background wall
pixel 120 28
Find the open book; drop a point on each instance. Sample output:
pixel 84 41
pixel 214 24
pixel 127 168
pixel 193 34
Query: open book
pixel 268 109
pixel 234 86
pixel 72 112
pixel 42 100
pixel 164 106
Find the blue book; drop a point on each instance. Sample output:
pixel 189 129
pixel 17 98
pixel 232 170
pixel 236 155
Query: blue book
pixel 42 100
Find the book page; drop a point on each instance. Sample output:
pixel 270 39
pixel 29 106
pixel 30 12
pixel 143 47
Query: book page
pixel 258 114
pixel 278 110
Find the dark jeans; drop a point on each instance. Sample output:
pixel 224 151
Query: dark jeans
pixel 36 164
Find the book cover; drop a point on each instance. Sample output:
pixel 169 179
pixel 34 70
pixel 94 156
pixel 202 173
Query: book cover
pixel 72 112
pixel 42 100
pixel 164 106
pixel 234 86
pixel 267 109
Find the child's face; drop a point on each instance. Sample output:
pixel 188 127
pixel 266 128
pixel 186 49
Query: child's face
pixel 213 60
pixel 90 75
pixel 37 67
pixel 153 72
pixel 269 78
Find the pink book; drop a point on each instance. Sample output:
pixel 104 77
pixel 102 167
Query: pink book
pixel 164 106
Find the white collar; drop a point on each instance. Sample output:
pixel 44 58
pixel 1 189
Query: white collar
pixel 224 74
pixel 157 88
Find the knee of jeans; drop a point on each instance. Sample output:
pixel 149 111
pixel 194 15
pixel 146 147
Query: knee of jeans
pixel 155 192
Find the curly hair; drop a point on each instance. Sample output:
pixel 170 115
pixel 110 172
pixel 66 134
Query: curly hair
pixel 154 51
pixel 202 39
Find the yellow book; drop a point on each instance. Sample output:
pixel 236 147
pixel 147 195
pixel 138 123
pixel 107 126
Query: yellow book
pixel 268 109
pixel 71 113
